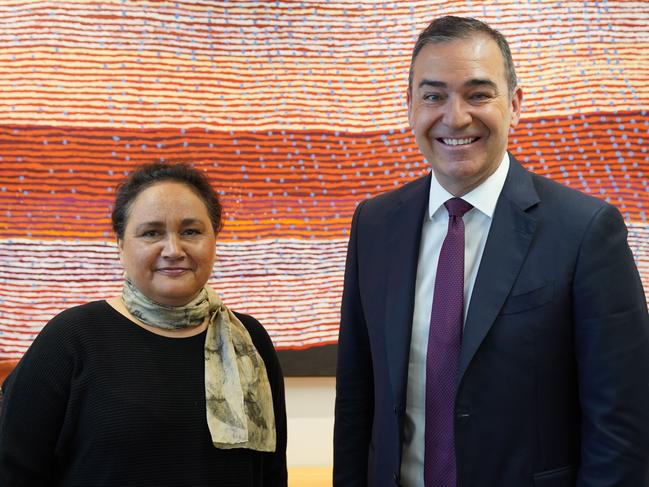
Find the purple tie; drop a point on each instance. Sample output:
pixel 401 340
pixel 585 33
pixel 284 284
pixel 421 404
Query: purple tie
pixel 444 339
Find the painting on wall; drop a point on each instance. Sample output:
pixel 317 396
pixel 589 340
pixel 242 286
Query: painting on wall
pixel 296 112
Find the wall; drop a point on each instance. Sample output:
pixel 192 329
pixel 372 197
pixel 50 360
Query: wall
pixel 310 407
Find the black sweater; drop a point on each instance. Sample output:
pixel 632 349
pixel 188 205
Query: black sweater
pixel 99 401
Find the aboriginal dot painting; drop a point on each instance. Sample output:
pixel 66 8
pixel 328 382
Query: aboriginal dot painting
pixel 296 110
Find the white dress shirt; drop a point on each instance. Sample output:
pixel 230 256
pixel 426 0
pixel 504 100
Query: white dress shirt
pixel 477 222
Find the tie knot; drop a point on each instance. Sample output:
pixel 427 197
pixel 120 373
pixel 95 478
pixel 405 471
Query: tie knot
pixel 457 207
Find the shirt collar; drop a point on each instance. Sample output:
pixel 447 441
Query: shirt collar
pixel 483 198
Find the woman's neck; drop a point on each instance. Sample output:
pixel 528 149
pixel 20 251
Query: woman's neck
pixel 117 303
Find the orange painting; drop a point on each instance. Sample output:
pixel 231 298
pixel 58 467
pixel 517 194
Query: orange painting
pixel 296 111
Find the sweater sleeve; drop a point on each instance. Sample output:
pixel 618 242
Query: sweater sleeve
pixel 273 464
pixel 33 411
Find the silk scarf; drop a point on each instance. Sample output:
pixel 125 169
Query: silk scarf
pixel 239 403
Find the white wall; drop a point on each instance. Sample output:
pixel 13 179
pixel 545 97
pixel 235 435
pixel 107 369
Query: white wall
pixel 310 412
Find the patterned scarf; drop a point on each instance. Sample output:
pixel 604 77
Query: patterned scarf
pixel 239 403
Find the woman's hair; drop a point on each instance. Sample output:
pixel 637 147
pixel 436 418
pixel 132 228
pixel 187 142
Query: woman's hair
pixel 147 175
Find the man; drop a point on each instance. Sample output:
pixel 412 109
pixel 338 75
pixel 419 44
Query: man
pixel 523 357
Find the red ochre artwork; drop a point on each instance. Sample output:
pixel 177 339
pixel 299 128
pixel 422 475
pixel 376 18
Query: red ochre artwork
pixel 296 111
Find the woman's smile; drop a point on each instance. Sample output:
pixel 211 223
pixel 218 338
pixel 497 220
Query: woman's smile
pixel 173 271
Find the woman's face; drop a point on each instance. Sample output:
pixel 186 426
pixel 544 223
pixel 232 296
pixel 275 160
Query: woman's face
pixel 169 243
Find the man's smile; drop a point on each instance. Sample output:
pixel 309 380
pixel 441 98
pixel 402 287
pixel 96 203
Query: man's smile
pixel 457 141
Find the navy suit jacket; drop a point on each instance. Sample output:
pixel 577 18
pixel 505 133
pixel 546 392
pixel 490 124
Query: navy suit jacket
pixel 553 382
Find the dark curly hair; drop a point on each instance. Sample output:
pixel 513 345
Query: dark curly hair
pixel 147 175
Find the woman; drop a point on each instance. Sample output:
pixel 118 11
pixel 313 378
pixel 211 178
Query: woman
pixel 162 386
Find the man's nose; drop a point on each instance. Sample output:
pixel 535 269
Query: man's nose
pixel 456 114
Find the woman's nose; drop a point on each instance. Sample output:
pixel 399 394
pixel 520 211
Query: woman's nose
pixel 172 247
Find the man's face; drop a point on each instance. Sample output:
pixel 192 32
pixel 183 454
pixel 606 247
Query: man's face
pixel 460 110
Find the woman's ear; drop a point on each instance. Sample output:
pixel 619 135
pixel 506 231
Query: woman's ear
pixel 120 247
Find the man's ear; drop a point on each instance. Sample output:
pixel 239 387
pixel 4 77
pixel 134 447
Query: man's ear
pixel 516 105
pixel 409 103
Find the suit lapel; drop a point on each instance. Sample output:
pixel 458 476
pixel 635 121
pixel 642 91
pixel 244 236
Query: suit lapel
pixel 405 223
pixel 511 232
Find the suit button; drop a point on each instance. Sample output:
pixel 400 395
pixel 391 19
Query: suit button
pixel 462 417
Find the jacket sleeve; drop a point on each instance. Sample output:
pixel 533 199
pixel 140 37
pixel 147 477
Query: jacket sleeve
pixel 612 350
pixel 354 408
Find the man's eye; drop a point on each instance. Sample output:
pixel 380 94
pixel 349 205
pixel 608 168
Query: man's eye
pixel 432 97
pixel 150 233
pixel 190 232
pixel 480 96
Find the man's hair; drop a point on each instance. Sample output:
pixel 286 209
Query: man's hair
pixel 149 174
pixel 450 28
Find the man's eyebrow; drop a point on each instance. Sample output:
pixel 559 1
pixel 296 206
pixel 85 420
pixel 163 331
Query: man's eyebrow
pixel 472 83
pixel 432 83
